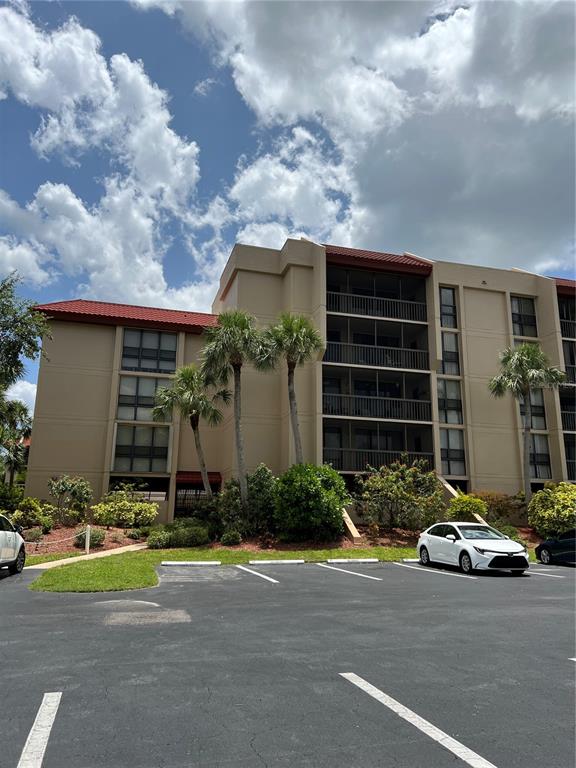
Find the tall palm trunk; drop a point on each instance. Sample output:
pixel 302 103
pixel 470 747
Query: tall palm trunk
pixel 238 432
pixel 11 472
pixel 294 415
pixel 527 445
pixel 195 424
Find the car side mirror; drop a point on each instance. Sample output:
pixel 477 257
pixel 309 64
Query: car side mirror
pixel 451 537
pixel 19 529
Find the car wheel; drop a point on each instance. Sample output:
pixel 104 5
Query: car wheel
pixel 466 563
pixel 18 564
pixel 424 556
pixel 545 556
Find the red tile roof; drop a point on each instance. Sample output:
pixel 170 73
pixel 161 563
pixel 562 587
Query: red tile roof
pixel 103 312
pixel 565 286
pixel 401 262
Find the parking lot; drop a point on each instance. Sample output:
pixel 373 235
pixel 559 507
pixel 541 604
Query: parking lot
pixel 292 665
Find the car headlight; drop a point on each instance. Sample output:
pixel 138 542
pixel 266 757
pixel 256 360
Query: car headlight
pixel 482 551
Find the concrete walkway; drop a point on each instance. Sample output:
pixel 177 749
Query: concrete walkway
pixel 92 556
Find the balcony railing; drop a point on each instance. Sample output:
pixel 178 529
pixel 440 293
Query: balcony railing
pixel 569 421
pixel 571 374
pixel 571 467
pixel 377 407
pixel 381 357
pixel 352 304
pixel 356 460
pixel 568 328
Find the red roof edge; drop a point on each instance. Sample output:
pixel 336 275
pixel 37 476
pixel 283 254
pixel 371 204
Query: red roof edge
pixel 390 262
pixel 564 286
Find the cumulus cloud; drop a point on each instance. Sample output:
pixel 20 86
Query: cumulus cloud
pixel 24 391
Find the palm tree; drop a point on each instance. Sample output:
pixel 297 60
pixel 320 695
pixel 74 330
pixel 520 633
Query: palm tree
pixel 523 370
pixel 295 340
pixel 233 342
pixel 190 395
pixel 15 428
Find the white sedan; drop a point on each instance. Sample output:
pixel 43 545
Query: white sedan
pixel 12 548
pixel 472 546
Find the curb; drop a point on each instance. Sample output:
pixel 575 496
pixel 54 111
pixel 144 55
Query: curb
pixel 191 562
pixel 276 562
pixel 353 560
pixel 410 560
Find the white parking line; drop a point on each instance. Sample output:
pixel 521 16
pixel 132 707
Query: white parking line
pixel 446 741
pixel 350 573
pixel 37 741
pixel 571 659
pixel 431 570
pixel 262 575
pixel 547 575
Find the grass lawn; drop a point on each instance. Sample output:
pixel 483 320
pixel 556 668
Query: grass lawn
pixel 135 570
pixel 37 559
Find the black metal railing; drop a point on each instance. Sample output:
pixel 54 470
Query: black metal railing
pixel 381 357
pixel 571 467
pixel 356 459
pixel 377 407
pixel 568 328
pixel 569 420
pixel 571 374
pixel 353 304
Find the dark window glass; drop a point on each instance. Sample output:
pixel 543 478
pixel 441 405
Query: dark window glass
pixel 452 452
pixel 449 401
pixel 141 449
pixel 149 351
pixel 540 457
pixel 448 318
pixel 450 357
pixel 332 437
pixel 538 410
pixel 136 397
pixel 523 316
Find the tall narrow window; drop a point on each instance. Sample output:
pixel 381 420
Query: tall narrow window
pixel 538 411
pixel 452 452
pixel 449 401
pixel 450 356
pixel 523 316
pixel 448 318
pixel 141 449
pixel 136 397
pixel 149 351
pixel 540 457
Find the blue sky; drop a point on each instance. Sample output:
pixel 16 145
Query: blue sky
pixel 141 139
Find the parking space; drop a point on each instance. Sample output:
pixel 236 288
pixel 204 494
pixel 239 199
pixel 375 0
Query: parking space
pixel 293 665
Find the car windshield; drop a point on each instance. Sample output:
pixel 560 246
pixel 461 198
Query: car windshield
pixel 480 532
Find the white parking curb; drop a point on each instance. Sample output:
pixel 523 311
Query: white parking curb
pixel 191 562
pixel 275 562
pixel 410 560
pixel 353 560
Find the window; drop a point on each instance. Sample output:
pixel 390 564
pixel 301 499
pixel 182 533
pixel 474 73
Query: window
pixel 523 316
pixel 5 524
pixel 141 449
pixel 538 411
pixel 450 530
pixel 449 401
pixel 136 397
pixel 149 351
pixel 333 437
pixel 448 317
pixel 452 452
pixel 540 457
pixel 437 530
pixel 450 356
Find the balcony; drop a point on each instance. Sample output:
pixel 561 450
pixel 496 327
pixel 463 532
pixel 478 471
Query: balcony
pixel 571 374
pixel 372 356
pixel 377 407
pixel 568 328
pixel 569 421
pixel 356 460
pixel 571 467
pixel 353 304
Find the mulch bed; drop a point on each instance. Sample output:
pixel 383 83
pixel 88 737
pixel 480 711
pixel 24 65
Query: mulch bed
pixel 51 542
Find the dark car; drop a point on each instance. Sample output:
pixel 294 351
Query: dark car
pixel 558 549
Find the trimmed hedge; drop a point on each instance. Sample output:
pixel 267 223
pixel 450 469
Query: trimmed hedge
pixel 553 510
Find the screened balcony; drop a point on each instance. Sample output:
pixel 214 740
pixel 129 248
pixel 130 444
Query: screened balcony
pixel 379 294
pixel 376 343
pixel 365 393
pixel 567 311
pixel 569 348
pixel 570 449
pixel 352 446
pixel 568 408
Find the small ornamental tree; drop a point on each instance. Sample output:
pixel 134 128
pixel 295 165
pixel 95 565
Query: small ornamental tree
pixel 553 510
pixel 402 495
pixel 70 493
pixel 465 507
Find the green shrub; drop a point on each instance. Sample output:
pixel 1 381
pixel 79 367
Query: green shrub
pixel 123 513
pixel 74 493
pixel 230 538
pixel 10 497
pixel 259 517
pixel 508 530
pixel 159 539
pixel 30 510
pixel 465 506
pixel 145 512
pixel 46 522
pixel 17 518
pixel 402 495
pixel 97 536
pixel 553 510
pixel 230 507
pixel 145 531
pixel 309 501
pixel 188 536
pixel 33 535
pixel 500 505
pixel 103 514
pixel 134 534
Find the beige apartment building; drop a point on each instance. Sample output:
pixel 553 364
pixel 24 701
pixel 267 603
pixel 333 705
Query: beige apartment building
pixel 410 346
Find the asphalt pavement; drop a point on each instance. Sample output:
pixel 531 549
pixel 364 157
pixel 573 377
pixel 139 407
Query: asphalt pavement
pixel 312 666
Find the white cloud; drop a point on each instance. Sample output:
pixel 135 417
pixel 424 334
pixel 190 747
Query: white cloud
pixel 24 259
pixel 203 87
pixel 24 391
